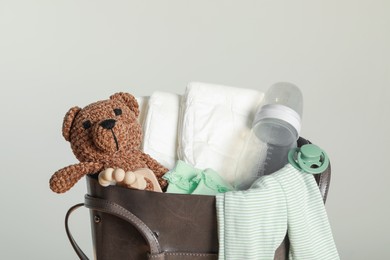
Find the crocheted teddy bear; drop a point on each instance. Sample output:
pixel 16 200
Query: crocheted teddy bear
pixel 106 135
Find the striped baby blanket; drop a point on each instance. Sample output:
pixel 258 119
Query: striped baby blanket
pixel 254 222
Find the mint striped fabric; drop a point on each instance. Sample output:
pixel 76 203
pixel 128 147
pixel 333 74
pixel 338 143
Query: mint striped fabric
pixel 253 223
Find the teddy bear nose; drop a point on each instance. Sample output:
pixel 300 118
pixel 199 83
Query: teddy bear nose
pixel 108 124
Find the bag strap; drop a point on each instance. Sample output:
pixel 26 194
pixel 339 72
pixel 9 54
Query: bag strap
pixel 119 211
pixel 116 210
pixel 75 246
pixel 323 181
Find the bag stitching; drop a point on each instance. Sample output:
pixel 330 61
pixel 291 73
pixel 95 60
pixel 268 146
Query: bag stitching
pixel 182 254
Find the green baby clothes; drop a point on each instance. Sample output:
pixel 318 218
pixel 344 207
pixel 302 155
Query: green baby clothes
pixel 180 178
pixel 253 223
pixel 185 179
pixel 210 183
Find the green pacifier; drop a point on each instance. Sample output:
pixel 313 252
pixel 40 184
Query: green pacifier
pixel 309 158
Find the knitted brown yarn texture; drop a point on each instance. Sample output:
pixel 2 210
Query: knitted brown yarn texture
pixel 104 134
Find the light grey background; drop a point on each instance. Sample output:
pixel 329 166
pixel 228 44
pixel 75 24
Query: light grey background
pixel 57 54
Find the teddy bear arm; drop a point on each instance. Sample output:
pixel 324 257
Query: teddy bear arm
pixel 158 169
pixel 66 178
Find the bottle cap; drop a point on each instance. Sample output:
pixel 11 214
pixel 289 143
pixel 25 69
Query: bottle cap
pixel 309 158
pixel 280 112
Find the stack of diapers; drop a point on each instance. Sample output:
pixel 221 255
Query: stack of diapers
pixel 214 126
pixel 160 120
pixel 208 127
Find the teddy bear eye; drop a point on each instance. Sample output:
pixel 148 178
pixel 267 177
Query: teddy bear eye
pixel 87 124
pixel 118 111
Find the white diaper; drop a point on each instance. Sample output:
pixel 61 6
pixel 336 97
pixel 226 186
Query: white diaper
pixel 160 127
pixel 214 125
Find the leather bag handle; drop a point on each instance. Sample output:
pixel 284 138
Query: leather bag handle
pixel 75 246
pixel 118 211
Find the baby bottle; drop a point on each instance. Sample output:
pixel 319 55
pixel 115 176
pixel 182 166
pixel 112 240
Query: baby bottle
pixel 275 130
pixel 278 124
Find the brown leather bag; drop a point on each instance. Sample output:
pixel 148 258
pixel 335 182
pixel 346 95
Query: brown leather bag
pixel 135 224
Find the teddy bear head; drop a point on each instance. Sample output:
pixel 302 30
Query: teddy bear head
pixel 104 129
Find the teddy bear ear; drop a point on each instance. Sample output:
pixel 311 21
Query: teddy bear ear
pixel 128 99
pixel 68 121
